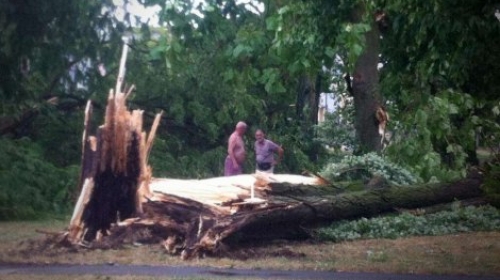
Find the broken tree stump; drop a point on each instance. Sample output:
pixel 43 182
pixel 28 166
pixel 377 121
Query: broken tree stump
pixel 114 170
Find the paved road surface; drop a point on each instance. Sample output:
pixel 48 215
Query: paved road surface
pixel 214 273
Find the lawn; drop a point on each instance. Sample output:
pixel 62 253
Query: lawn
pixel 475 253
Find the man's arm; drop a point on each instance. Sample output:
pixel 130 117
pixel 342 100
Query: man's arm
pixel 277 149
pixel 280 152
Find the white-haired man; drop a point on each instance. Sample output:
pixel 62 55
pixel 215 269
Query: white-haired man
pixel 233 164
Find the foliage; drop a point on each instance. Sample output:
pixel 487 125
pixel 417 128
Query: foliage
pixel 366 166
pixel 169 159
pixel 419 142
pixel 209 72
pixel 337 130
pixel 49 49
pixel 29 185
pixel 439 91
pixel 466 219
pixel 298 150
pixel 49 55
pixel 59 134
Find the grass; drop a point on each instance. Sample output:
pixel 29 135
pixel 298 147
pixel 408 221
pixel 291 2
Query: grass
pixel 475 253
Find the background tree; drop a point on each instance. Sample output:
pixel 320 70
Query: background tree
pixel 442 90
pixel 49 52
pixel 425 85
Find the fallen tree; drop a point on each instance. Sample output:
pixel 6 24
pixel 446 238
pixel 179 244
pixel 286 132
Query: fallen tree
pixel 121 203
pixel 291 208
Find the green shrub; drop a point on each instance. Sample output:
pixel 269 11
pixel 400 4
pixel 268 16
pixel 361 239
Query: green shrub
pixel 365 167
pixel 484 218
pixel 174 160
pixel 30 186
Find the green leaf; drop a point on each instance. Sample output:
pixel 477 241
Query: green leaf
pixel 453 109
pixel 421 117
pixel 209 8
pixel 228 75
pixel 272 23
pixel 284 10
pixel 496 110
pixel 156 52
pixel 357 49
pixel 238 50
pixel 330 52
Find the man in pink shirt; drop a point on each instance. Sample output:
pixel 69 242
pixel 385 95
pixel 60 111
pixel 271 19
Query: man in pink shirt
pixel 233 164
pixel 264 152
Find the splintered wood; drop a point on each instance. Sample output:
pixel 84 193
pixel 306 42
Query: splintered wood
pixel 114 170
pixel 226 192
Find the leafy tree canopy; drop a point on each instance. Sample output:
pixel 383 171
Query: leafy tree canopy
pixel 265 62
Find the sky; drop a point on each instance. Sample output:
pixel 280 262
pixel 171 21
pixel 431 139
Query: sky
pixel 151 13
pixel 136 9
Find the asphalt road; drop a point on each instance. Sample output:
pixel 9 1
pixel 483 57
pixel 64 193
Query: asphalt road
pixel 214 273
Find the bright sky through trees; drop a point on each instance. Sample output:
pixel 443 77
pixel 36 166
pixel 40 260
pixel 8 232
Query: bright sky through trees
pixel 136 9
pixel 151 13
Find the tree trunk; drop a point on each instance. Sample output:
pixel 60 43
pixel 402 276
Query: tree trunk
pixel 194 217
pixel 314 100
pixel 114 171
pixel 307 106
pixel 365 91
pixel 308 93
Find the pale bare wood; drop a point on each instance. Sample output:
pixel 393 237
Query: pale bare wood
pixel 129 91
pixel 127 222
pixel 152 134
pixel 92 143
pixel 143 190
pixel 146 173
pixel 121 134
pixel 106 132
pixel 136 120
pixel 86 122
pixel 76 224
pixel 85 159
pixel 224 190
pixel 122 68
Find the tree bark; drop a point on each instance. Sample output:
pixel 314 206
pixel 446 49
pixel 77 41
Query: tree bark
pixel 364 89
